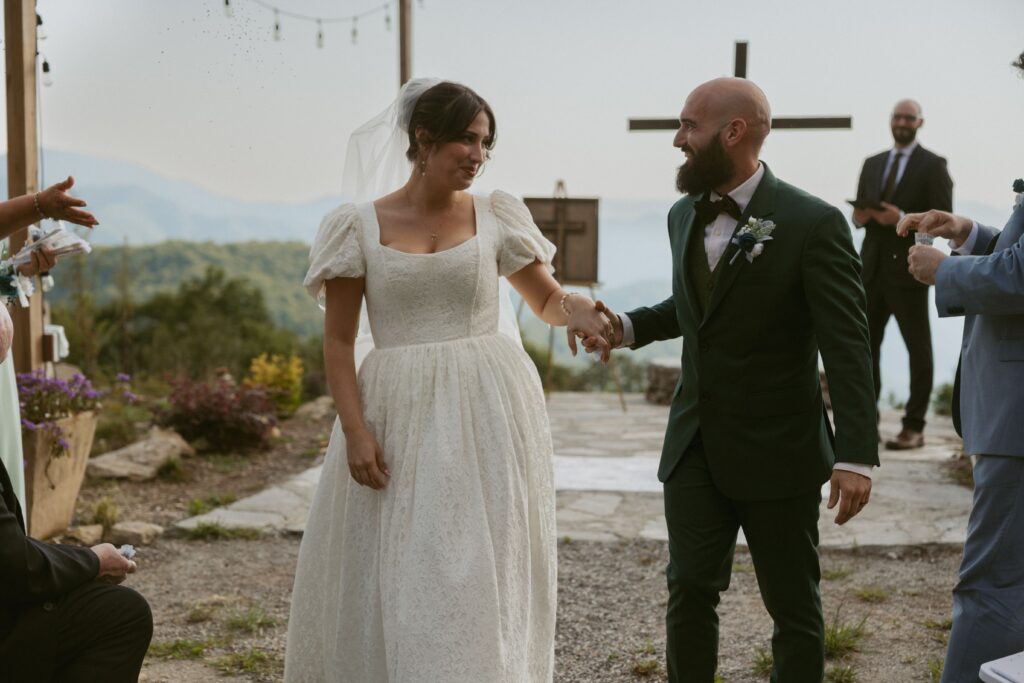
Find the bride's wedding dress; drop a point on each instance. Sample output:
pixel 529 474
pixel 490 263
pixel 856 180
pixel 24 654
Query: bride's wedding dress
pixel 448 574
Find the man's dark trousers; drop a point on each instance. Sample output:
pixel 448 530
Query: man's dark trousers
pixel 782 536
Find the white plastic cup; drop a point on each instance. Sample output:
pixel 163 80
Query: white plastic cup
pixel 924 238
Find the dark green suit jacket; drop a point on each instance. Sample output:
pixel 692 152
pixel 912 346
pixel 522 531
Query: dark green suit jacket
pixel 750 364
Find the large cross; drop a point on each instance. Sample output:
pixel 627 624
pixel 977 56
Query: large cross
pixel 778 122
pixel 556 230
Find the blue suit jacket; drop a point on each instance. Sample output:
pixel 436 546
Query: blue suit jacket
pixel 988 289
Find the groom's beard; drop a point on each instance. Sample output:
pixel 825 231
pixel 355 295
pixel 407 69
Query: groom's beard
pixel 706 169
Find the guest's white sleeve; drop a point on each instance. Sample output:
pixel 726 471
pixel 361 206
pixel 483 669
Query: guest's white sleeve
pixel 628 337
pixel 967 248
pixel 856 468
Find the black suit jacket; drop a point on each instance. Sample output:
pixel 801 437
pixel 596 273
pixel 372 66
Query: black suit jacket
pixel 925 185
pixel 33 574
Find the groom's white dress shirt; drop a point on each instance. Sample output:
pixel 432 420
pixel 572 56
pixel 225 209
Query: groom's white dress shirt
pixel 717 236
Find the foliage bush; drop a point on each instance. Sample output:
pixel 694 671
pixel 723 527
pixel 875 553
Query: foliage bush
pixel 124 419
pixel 281 377
pixel 943 399
pixel 220 415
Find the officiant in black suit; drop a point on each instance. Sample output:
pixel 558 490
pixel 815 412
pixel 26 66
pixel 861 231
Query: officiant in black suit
pixel 906 178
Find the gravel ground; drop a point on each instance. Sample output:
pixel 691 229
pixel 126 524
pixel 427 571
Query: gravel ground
pixel 232 595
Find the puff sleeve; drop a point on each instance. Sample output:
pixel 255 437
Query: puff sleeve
pixel 520 240
pixel 337 250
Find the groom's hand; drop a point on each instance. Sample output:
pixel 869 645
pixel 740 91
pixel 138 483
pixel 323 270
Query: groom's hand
pixel 616 337
pixel 851 491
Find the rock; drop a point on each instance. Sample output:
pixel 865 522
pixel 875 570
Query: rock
pixel 134 533
pixel 87 534
pixel 141 460
pixel 317 409
pixel 662 377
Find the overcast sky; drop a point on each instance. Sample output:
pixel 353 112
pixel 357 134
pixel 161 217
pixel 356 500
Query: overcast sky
pixel 184 90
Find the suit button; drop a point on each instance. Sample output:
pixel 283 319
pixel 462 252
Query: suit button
pixel 48 606
pixel 704 346
pixel 894 257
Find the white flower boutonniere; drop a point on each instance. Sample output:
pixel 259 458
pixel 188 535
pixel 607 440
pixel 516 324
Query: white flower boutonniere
pixel 751 238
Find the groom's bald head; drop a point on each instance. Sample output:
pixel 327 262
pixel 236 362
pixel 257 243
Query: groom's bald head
pixel 727 100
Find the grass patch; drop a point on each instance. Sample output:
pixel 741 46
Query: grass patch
pixel 944 625
pixel 935 670
pixel 841 673
pixel 742 568
pixel 173 470
pixel 252 661
pixel 842 638
pixel 310 453
pixel 105 512
pixel 646 667
pixel 647 560
pixel 211 531
pixel 872 594
pixel 181 649
pixel 253 620
pixel 961 471
pixel 226 463
pixel 198 506
pixel 835 574
pixel 763 662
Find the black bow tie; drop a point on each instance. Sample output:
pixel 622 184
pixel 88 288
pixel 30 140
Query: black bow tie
pixel 707 210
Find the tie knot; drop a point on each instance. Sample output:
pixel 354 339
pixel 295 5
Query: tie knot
pixel 708 210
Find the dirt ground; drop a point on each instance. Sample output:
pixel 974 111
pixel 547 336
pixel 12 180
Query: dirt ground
pixel 221 606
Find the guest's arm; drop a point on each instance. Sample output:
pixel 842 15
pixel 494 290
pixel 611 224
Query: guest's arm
pixel 53 202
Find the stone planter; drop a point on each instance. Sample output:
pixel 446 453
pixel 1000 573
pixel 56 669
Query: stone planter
pixel 52 483
pixel 662 377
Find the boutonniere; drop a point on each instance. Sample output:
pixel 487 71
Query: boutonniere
pixel 751 238
pixel 1018 187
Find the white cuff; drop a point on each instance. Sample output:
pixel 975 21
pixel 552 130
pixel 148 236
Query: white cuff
pixel 627 331
pixel 967 248
pixel 856 468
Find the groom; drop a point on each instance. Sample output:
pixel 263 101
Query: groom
pixel 748 442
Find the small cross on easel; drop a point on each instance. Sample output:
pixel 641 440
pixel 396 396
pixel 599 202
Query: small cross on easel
pixel 559 227
pixel 778 122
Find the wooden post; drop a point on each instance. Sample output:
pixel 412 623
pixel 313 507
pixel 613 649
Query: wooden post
pixel 23 161
pixel 404 41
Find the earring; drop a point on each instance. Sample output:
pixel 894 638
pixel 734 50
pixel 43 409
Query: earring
pixel 423 166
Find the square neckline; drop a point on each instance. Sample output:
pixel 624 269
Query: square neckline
pixel 372 212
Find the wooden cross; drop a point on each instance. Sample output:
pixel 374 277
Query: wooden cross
pixel 778 122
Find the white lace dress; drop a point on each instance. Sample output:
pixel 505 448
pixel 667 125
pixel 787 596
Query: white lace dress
pixel 449 574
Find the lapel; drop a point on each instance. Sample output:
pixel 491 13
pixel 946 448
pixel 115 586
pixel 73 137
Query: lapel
pixel 683 239
pixel 761 205
pixel 909 173
pixel 876 179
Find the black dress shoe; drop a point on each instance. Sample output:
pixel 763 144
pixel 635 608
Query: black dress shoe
pixel 906 440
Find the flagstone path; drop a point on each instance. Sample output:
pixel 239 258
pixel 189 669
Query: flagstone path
pixel 606 463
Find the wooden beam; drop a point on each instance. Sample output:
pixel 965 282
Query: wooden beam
pixel 741 60
pixel 23 161
pixel 404 41
pixel 778 123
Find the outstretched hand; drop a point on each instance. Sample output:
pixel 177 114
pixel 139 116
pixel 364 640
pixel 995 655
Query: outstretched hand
pixel 938 224
pixel 56 203
pixel 851 491
pixel 586 322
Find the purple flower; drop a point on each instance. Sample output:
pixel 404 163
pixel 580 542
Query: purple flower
pixel 123 377
pixel 63 443
pixel 130 397
pixel 27 424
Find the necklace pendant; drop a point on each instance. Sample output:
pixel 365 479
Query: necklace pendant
pixel 433 237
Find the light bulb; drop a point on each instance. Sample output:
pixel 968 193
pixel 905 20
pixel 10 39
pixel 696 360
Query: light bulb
pixel 47 78
pixel 40 32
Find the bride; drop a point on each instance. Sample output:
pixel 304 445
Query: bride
pixel 429 553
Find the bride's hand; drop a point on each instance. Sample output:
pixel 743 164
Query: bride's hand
pixel 366 459
pixel 587 322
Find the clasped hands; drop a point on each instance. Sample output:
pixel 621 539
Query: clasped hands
pixel 596 326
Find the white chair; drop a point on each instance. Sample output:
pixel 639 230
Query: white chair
pixel 1006 670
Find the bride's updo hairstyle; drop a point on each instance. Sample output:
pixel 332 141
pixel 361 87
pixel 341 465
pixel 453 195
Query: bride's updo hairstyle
pixel 444 112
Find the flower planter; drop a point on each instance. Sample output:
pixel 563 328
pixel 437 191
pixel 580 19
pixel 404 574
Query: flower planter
pixel 52 483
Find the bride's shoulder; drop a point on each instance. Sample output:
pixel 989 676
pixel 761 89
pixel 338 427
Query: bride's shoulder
pixel 510 210
pixel 341 215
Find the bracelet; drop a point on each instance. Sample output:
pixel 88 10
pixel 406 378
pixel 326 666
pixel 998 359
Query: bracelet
pixel 35 200
pixel 561 302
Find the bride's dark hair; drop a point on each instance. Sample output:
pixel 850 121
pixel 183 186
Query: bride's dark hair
pixel 444 112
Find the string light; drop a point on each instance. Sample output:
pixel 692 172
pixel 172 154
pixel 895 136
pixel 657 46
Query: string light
pixel 319 21
pixel 47 78
pixel 40 32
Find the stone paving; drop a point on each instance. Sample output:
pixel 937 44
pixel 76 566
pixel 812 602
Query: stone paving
pixel 606 463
